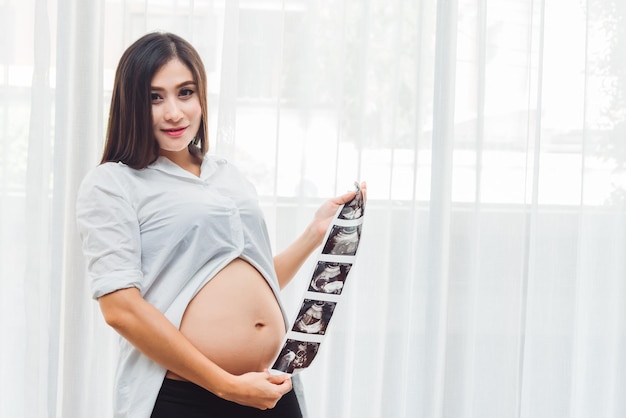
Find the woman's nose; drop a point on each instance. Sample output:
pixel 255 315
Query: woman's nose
pixel 173 111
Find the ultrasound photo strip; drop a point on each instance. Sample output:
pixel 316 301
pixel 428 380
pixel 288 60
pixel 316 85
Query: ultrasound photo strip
pixel 325 288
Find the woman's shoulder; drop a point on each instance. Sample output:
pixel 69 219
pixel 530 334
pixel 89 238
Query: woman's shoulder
pixel 215 165
pixel 108 175
pixel 105 171
pixel 215 160
pixel 228 175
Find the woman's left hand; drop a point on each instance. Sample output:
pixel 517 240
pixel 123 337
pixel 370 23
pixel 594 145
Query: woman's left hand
pixel 325 214
pixel 291 259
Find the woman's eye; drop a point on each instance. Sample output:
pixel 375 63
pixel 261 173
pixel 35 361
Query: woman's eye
pixel 186 92
pixel 155 97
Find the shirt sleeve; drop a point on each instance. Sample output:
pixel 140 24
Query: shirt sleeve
pixel 108 227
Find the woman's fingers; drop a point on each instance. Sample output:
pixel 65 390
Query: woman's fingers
pixel 260 390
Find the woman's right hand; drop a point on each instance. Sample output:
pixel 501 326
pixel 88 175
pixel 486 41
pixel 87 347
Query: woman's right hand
pixel 261 390
pixel 155 336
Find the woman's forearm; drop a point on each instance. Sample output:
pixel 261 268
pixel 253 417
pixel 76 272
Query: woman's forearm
pixel 155 336
pixel 288 262
pixel 291 259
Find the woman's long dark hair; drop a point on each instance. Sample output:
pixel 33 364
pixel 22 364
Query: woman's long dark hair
pixel 130 138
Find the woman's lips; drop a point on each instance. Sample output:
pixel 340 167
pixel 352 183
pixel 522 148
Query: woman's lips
pixel 175 132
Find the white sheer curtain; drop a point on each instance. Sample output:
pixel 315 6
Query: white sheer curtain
pixel 491 274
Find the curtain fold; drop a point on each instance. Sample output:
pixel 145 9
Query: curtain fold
pixel 439 210
pixel 36 233
pixel 226 110
pixel 83 351
pixel 490 276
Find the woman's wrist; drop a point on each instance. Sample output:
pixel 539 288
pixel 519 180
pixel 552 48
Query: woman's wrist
pixel 225 387
pixel 314 235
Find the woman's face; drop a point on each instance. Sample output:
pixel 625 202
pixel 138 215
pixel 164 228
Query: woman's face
pixel 176 110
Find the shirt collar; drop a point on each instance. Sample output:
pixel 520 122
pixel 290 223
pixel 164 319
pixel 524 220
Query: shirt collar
pixel 167 166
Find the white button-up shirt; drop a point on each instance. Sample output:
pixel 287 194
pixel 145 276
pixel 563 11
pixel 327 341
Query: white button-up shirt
pixel 167 233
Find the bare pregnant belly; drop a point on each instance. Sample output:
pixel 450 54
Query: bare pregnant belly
pixel 235 320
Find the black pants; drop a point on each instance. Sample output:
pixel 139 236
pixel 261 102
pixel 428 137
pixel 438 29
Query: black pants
pixel 179 399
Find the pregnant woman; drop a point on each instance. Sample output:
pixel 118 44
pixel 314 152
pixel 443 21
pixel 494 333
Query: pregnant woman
pixel 178 254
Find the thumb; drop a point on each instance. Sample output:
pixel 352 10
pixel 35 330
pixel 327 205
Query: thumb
pixel 277 379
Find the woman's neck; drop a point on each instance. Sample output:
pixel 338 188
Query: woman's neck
pixel 185 160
